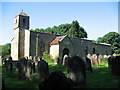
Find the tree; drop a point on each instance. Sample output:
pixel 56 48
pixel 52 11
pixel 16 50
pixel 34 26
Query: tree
pixel 6 50
pixel 74 29
pixel 112 38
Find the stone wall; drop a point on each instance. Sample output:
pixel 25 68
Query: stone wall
pixel 27 43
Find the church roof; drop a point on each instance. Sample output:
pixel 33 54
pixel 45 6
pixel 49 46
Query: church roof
pixel 23 13
pixel 56 40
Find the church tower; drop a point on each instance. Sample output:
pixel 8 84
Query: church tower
pixel 21 23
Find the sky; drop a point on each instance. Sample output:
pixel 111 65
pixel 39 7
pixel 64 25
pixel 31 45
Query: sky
pixel 97 18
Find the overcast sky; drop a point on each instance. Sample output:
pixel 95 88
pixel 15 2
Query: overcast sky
pixel 97 18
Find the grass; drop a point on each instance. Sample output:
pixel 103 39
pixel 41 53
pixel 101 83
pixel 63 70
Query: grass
pixel 100 78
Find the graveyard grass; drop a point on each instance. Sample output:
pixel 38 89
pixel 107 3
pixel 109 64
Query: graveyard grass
pixel 100 78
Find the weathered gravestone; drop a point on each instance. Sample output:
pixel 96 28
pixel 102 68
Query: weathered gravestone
pixel 89 56
pixel 65 59
pixel 88 65
pixel 94 60
pixel 9 65
pixel 43 70
pixel 114 65
pixel 33 67
pixel 29 69
pixel 99 58
pixel 22 67
pixel 35 59
pixel 56 80
pixel 77 71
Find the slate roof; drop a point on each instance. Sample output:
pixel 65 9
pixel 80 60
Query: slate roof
pixel 56 40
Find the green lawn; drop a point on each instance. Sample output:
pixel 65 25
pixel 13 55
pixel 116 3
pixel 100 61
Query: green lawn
pixel 100 78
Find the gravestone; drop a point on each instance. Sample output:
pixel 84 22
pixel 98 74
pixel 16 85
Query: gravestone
pixel 94 59
pixel 22 67
pixel 88 65
pixel 33 67
pixel 43 70
pixel 77 71
pixel 105 56
pixel 35 59
pixel 28 69
pixel 65 59
pixel 89 56
pixel 56 80
pixel 114 65
pixel 99 58
pixel 9 65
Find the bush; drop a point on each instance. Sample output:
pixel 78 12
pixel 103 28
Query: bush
pixel 104 60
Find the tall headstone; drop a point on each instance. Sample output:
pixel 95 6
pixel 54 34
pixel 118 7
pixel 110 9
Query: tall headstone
pixel 77 71
pixel 88 65
pixel 94 59
pixel 28 73
pixel 22 67
pixel 9 65
pixel 43 70
pixel 114 65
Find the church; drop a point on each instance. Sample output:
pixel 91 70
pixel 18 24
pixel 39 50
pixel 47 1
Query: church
pixel 30 43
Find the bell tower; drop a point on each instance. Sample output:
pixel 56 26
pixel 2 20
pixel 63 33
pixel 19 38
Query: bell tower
pixel 21 21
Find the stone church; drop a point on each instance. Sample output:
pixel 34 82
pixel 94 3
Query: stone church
pixel 29 43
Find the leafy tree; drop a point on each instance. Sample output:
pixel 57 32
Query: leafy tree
pixel 72 30
pixel 5 50
pixel 112 38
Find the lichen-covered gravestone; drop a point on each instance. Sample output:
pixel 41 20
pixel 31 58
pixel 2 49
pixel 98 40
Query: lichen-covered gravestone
pixel 77 71
pixel 43 70
pixel 94 59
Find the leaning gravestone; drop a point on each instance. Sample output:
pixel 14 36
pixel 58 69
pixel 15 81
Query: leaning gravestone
pixel 88 65
pixel 22 67
pixel 65 59
pixel 77 71
pixel 94 59
pixel 43 70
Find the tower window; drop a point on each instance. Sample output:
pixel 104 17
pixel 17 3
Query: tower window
pixel 24 20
